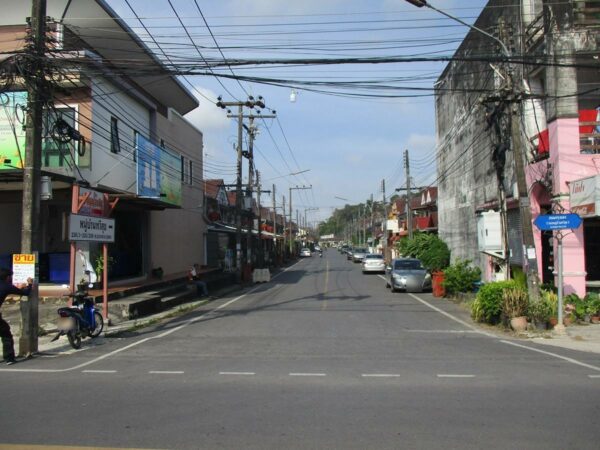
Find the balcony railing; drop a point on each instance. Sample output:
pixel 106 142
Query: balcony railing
pixel 587 13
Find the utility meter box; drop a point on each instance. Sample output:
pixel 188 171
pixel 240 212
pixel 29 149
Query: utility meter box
pixel 489 232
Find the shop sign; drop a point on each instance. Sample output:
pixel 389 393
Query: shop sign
pixel 585 196
pixel 94 204
pixel 91 229
pixel 23 267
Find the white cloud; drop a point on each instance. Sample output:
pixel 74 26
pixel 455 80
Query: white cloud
pixel 207 117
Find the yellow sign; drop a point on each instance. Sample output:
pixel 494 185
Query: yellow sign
pixel 23 258
pixel 23 267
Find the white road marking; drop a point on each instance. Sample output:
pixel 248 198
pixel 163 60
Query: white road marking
pixel 441 331
pixel 454 375
pixel 594 376
pixel 380 375
pixel 141 341
pixel 98 371
pixel 166 372
pixel 237 373
pixel 300 374
pixel 564 358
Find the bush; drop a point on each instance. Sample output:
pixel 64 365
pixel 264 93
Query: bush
pixel 544 308
pixel 488 303
pixel 460 276
pixel 592 302
pixel 515 301
pixel 428 248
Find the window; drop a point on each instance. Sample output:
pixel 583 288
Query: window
pixel 186 170
pixel 115 143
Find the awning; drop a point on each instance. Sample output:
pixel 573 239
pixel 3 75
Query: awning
pixel 585 196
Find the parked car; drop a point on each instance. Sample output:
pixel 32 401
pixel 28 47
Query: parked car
pixel 407 274
pixel 359 254
pixel 349 253
pixel 305 252
pixel 373 262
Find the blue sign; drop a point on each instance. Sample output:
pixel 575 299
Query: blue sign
pixel 557 221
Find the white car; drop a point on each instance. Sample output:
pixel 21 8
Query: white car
pixel 305 252
pixel 373 262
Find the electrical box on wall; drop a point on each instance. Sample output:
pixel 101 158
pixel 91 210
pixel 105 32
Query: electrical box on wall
pixel 489 232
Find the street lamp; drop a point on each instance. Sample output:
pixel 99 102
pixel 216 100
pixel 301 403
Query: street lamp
pixel 421 3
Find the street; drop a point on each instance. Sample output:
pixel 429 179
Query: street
pixel 322 357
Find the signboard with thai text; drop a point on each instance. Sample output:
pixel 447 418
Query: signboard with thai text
pixel 94 204
pixel 557 221
pixel 91 229
pixel 585 196
pixel 23 267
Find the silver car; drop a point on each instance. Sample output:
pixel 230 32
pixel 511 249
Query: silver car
pixel 407 274
pixel 359 254
pixel 373 262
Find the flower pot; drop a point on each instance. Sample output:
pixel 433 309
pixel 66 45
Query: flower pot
pixel 553 321
pixel 539 325
pixel 568 321
pixel 436 284
pixel 519 324
pixel 595 319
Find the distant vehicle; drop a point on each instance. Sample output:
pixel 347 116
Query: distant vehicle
pixel 344 249
pixel 305 252
pixel 373 262
pixel 407 274
pixel 359 254
pixel 317 248
pixel 349 253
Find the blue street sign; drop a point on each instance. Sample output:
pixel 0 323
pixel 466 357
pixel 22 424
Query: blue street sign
pixel 557 221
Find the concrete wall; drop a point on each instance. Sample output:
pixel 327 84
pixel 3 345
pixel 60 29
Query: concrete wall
pixel 466 173
pixel 177 235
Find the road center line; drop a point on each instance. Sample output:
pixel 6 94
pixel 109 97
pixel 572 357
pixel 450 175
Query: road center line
pixel 454 375
pixel 237 373
pixel 166 372
pixel 300 374
pixel 380 375
pixel 98 371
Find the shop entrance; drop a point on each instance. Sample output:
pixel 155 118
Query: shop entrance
pixel 591 239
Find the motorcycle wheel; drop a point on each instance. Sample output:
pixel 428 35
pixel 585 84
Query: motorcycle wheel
pixel 74 339
pixel 99 325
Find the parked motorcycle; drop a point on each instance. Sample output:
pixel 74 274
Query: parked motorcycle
pixel 79 320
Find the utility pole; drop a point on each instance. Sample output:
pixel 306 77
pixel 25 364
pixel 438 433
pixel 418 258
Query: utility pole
pixel 513 97
pixel 284 230
pixel 408 196
pixel 250 103
pixel 274 224
pixel 372 225
pixel 261 254
pixel 298 188
pixel 28 342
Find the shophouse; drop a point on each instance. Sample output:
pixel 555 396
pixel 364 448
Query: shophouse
pixel 115 144
pixel 549 52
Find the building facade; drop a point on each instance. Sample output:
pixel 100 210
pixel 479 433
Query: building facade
pixel 549 112
pixel 114 137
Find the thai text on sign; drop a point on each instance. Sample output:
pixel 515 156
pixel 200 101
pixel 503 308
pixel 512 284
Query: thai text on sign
pixel 23 267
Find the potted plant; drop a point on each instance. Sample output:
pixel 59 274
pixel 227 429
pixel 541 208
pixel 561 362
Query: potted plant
pixel 539 312
pixel 99 266
pixel 435 259
pixel 515 302
pixel 550 298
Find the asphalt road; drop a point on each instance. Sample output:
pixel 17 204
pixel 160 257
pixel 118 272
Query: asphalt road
pixel 323 357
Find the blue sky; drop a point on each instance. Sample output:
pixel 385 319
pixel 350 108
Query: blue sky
pixel 349 144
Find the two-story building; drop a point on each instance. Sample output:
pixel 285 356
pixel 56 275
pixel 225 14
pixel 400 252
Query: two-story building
pixel 114 134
